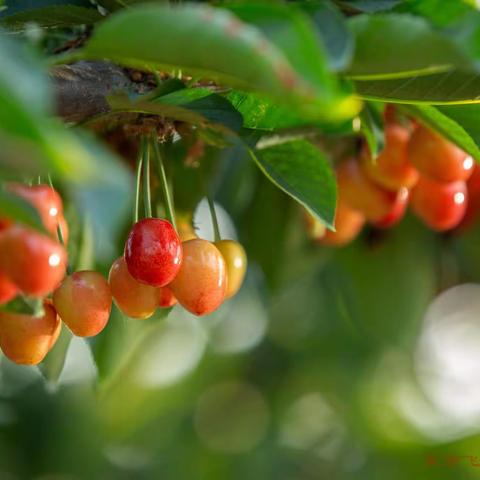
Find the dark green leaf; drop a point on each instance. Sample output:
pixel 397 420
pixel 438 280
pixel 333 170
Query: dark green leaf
pixel 372 129
pixel 441 88
pixel 301 170
pixel 467 116
pixel 336 36
pixel 225 49
pixel 447 127
pixel 369 6
pixel 395 46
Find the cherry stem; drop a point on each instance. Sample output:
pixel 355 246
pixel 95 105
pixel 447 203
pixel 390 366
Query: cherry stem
pixel 213 214
pixel 147 196
pixel 138 176
pixel 169 210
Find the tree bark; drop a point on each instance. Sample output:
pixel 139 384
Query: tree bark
pixel 81 89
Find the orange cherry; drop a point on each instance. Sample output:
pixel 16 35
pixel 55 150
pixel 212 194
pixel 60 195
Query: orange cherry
pixel 473 204
pixel 441 206
pixel 35 263
pixel 201 283
pixel 392 169
pixel 397 211
pixel 84 302
pixel 348 224
pixel 134 299
pixel 8 290
pixel 437 158
pixel 166 298
pixel 26 339
pixel 361 194
pixel 236 263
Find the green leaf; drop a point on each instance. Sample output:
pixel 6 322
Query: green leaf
pixel 156 37
pixel 301 170
pixel 453 87
pixel 48 13
pixel 372 129
pixel 399 46
pixel 466 116
pixel 113 5
pixel 336 37
pixel 446 126
pixel 18 209
pixel 369 6
pixel 52 366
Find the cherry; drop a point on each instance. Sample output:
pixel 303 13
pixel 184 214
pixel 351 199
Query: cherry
pixel 8 290
pixel 236 263
pixel 348 224
pixel 26 339
pixel 83 301
pixel 201 283
pixel 361 194
pixel 441 206
pixel 392 169
pixel 153 252
pixel 437 158
pixel 473 204
pixel 166 298
pixel 134 299
pixel 48 203
pixel 35 263
pixel 397 211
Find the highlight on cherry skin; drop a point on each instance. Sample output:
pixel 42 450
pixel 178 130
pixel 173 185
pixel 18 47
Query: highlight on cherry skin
pixel 236 264
pixel 26 339
pixel 153 252
pixel 134 299
pixel 84 301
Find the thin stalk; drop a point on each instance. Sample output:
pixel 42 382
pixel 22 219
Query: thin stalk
pixel 147 196
pixel 163 181
pixel 213 214
pixel 138 177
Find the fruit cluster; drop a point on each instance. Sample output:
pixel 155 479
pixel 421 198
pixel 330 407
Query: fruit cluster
pixel 417 166
pixel 157 269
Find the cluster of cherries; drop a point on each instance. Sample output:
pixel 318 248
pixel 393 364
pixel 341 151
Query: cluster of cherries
pixel 418 167
pixel 159 268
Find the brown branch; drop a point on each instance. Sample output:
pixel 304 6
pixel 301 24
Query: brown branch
pixel 81 89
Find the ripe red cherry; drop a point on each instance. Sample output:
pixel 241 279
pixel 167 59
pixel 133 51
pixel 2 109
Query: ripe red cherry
pixel 153 252
pixel 201 283
pixel 166 298
pixel 47 201
pixel 26 339
pixel 441 206
pixel 84 302
pixel 348 224
pixel 473 204
pixel 32 261
pixel 361 194
pixel 134 299
pixel 8 290
pixel 392 169
pixel 397 211
pixel 437 158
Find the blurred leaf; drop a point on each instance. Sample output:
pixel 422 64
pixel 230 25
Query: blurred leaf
pixel 384 49
pixel 52 366
pixel 302 171
pixel 372 129
pixel 19 210
pixel 48 13
pixel 440 88
pixel 113 5
pixel 224 49
pixel 369 6
pixel 466 116
pixel 336 37
pixel 446 126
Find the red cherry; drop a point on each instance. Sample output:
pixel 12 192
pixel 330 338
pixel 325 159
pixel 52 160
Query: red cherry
pixel 348 224
pixel 8 290
pixel 32 261
pixel 361 194
pixel 45 199
pixel 398 210
pixel 153 252
pixel 473 204
pixel 437 158
pixel 392 169
pixel 26 339
pixel 84 302
pixel 166 298
pixel 441 206
pixel 201 283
